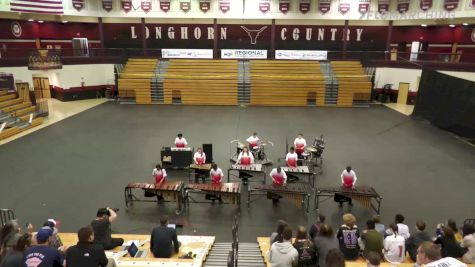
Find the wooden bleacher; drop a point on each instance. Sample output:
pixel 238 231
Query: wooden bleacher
pixel 135 79
pixel 286 83
pixel 201 82
pixel 353 83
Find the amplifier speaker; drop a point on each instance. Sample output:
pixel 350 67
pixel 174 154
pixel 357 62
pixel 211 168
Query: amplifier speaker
pixel 208 149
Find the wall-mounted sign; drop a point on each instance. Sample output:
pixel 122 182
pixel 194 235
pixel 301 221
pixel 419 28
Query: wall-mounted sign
pixel 187 53
pixel 243 54
pixel 301 54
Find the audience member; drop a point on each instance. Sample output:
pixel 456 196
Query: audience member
pixel 372 239
pixel 373 259
pixel 305 248
pixel 9 235
pixel 57 243
pixel 43 255
pixel 378 226
pixel 428 254
pixel 348 235
pixel 413 242
pixel 453 225
pixel 469 243
pixel 394 245
pixel 164 241
pixel 15 257
pixel 86 253
pixel 283 254
pixel 315 228
pixel 102 229
pixel 277 235
pixel 334 258
pixel 403 229
pixel 324 242
pixel 449 246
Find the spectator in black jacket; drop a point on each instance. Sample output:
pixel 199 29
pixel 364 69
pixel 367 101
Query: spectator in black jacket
pixel 315 228
pixel 413 242
pixel 86 253
pixel 449 246
pixel 162 239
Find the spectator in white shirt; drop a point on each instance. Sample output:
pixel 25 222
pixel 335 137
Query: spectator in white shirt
pixel 429 254
pixel 180 141
pixel 291 158
pixel 200 157
pixel 253 140
pixel 300 143
pixel 394 246
pixel 278 176
pixel 216 174
pixel 245 158
pixel 403 229
pixel 283 254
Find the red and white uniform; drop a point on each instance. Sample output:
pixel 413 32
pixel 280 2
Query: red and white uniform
pixel 216 175
pixel 180 142
pixel 245 159
pixel 299 144
pixel 279 178
pixel 199 158
pixel 291 159
pixel 252 141
pixel 348 179
pixel 159 175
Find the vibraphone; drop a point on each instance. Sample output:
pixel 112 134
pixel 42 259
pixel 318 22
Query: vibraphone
pixel 362 194
pixel 170 191
pixel 301 171
pixel 298 193
pixel 230 193
pixel 253 170
pixel 199 170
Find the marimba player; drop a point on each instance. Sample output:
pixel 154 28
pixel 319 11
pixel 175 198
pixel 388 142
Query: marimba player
pixel 180 141
pixel 278 178
pixel 253 140
pixel 348 181
pixel 245 158
pixel 291 158
pixel 300 143
pixel 216 174
pixel 159 174
pixel 200 157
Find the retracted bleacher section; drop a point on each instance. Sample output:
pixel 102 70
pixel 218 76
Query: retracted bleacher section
pixel 135 80
pixel 353 83
pixel 201 82
pixel 286 83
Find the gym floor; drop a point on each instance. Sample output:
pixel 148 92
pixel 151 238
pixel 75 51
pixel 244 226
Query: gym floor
pixel 70 169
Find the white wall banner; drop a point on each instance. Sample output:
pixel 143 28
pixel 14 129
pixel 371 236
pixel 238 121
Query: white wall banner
pixel 243 53
pixel 301 54
pixel 187 53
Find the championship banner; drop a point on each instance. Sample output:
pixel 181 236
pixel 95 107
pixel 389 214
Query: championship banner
pixel 344 6
pixel 426 4
pixel 187 53
pixel 264 6
pixel 78 4
pixel 243 54
pixel 301 54
pixel 165 5
pixel 185 5
pixel 403 5
pixel 107 5
pixel 284 6
pixel 224 5
pixel 146 5
pixel 383 6
pixel 324 5
pixel 126 5
pixel 450 5
pixel 205 5
pixel 304 6
pixel 363 7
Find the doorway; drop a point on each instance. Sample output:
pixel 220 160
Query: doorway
pixel 402 93
pixel 41 87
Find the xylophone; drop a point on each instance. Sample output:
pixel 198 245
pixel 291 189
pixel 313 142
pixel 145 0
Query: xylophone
pixel 301 171
pixel 229 192
pixel 362 194
pixel 297 193
pixel 252 169
pixel 170 191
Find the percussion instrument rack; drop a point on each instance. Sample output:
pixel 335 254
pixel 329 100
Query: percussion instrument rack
pixel 257 169
pixel 170 191
pixel 365 195
pixel 298 193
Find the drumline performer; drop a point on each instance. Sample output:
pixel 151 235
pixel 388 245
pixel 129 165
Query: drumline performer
pixel 291 158
pixel 253 141
pixel 300 143
pixel 245 158
pixel 348 181
pixel 180 141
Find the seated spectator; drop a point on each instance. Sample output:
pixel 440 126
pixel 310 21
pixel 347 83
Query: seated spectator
pixel 373 259
pixel 314 228
pixel 378 226
pixel 43 255
pixel 283 254
pixel 164 241
pixel 86 253
pixel 413 242
pixel 305 248
pixel 449 246
pixel 372 239
pixel 15 257
pixel 394 246
pixel 348 235
pixel 324 242
pixel 469 243
pixel 102 229
pixel 57 243
pixel 428 254
pixel 334 258
pixel 452 225
pixel 277 235
pixel 403 229
pixel 9 235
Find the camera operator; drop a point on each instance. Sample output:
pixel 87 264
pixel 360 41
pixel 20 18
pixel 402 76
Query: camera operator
pixel 102 229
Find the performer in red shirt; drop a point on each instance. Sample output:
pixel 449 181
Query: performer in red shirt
pixel 348 181
pixel 245 158
pixel 200 157
pixel 216 174
pixel 180 141
pixel 291 158
pixel 253 140
pixel 159 174
pixel 300 143
pixel 278 176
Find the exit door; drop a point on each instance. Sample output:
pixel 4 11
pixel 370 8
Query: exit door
pixel 41 86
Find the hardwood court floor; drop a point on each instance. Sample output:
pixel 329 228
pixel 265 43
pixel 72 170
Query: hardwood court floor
pixel 68 170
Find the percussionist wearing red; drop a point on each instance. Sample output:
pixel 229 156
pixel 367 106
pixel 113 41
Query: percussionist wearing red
pixel 180 141
pixel 300 143
pixel 216 174
pixel 159 174
pixel 278 176
pixel 291 158
pixel 253 140
pixel 200 157
pixel 245 158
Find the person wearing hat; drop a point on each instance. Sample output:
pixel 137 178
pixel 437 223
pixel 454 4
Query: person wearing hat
pixel 86 253
pixel 42 255
pixel 53 224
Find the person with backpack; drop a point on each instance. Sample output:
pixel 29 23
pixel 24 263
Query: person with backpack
pixel 305 248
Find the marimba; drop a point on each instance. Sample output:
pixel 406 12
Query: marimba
pixel 170 191
pixel 301 171
pixel 361 194
pixel 253 170
pixel 230 193
pixel 299 194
